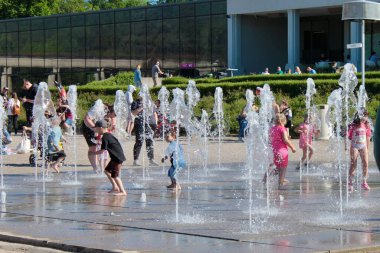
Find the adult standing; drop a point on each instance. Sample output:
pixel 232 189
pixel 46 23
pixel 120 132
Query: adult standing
pixel 137 76
pixel 142 124
pixel 27 96
pixel 13 112
pixel 311 71
pixel 155 72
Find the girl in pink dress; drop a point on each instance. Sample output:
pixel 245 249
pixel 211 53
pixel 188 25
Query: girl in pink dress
pixel 359 132
pixel 307 130
pixel 280 143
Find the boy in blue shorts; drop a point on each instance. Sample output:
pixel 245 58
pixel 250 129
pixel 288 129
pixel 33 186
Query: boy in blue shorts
pixel 175 152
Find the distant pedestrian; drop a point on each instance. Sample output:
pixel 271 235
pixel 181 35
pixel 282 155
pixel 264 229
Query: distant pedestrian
pixel 137 76
pixel 156 71
pixel 311 71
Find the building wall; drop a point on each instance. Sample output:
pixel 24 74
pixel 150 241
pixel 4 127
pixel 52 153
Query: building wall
pixel 260 6
pixel 264 43
pixel 84 46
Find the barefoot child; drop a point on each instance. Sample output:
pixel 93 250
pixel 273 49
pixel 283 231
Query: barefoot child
pixel 280 144
pixel 175 152
pixel 307 130
pixel 359 133
pixel 112 145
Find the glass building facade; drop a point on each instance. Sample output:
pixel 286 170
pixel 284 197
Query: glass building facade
pixel 81 47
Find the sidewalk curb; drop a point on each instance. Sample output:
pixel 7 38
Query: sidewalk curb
pixel 51 244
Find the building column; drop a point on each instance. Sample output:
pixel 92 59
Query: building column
pixel 355 53
pixel 293 39
pixel 6 78
pixel 234 42
pixel 53 76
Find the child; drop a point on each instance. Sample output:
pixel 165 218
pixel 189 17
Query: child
pixel 175 152
pixel 307 130
pixel 112 145
pixel 359 133
pixel 131 117
pixel 56 153
pixel 280 144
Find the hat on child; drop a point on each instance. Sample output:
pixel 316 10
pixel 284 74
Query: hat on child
pixel 101 123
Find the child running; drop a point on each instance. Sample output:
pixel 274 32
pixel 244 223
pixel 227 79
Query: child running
pixel 307 130
pixel 112 145
pixel 280 143
pixel 175 152
pixel 359 132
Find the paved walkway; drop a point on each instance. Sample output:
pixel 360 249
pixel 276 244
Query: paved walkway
pixel 210 214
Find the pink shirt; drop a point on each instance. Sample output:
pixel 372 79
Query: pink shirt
pixel 276 133
pixel 306 136
pixel 358 135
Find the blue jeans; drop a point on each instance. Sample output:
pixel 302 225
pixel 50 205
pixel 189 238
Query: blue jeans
pixel 242 126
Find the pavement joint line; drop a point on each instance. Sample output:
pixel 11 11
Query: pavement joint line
pixel 158 230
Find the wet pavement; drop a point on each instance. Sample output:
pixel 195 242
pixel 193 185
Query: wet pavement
pixel 210 214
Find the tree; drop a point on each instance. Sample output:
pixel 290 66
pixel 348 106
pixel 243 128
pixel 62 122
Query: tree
pixel 113 4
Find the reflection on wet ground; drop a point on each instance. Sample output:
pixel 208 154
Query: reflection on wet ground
pixel 208 215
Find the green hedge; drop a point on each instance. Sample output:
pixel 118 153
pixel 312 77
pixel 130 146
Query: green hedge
pixel 234 93
pixel 265 78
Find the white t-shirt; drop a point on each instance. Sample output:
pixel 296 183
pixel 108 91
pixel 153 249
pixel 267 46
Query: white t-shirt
pixel 11 103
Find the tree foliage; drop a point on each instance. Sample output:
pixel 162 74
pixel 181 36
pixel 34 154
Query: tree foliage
pixel 30 8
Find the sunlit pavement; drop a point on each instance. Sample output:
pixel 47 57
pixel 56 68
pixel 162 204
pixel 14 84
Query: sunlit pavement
pixel 211 213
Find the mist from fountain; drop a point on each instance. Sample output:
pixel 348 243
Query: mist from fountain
pixel 204 128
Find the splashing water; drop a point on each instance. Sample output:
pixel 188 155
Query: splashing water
pixel 219 117
pixel 311 113
pixel 72 98
pixel 335 119
pixel 348 81
pixel 121 110
pixel 193 97
pixel 3 116
pixel 180 113
pixel 163 96
pixel 205 130
pixel 266 115
pixel 146 114
pixel 42 106
pixel 252 149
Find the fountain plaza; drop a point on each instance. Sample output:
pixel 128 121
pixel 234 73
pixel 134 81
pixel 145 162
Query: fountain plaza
pixel 217 210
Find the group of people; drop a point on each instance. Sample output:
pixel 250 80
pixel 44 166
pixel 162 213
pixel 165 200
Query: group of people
pixel 98 127
pixel 297 71
pixel 358 132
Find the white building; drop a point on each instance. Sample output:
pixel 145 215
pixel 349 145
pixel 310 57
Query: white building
pixel 271 33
